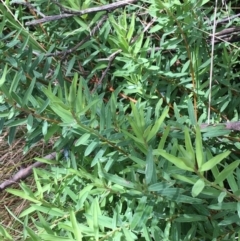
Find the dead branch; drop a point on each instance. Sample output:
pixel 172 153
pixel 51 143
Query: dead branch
pixel 233 125
pixel 25 172
pixel 110 59
pixel 107 7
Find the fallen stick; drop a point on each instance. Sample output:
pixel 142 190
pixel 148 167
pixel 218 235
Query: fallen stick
pixel 25 172
pixel 234 125
pixel 107 7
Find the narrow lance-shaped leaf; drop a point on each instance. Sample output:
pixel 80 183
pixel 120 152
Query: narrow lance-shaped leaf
pixel 214 161
pixel 83 140
pixel 227 171
pixel 175 160
pixel 73 91
pixel 75 227
pixel 188 143
pixel 158 123
pixel 138 44
pixel 5 234
pixel 29 91
pixel 131 27
pixel 199 147
pixel 150 172
pixel 95 209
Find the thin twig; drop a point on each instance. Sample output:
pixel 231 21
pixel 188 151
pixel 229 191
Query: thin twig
pixel 107 7
pixel 227 35
pixel 144 30
pixel 227 19
pixel 110 59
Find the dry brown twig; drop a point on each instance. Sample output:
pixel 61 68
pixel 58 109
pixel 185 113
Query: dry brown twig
pixel 110 59
pixel 107 7
pixel 25 172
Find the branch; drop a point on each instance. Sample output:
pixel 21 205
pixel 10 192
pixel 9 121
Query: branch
pixel 227 19
pixel 234 125
pixel 229 34
pixel 110 59
pixel 107 7
pixel 94 30
pixel 25 172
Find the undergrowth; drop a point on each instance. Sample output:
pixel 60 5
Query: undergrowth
pixel 122 96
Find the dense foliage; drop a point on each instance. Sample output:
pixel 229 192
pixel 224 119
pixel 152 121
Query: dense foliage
pixel 125 92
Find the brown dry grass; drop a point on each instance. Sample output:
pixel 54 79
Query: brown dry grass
pixel 11 159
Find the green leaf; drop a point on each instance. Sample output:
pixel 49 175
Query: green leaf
pixel 199 147
pixel 191 112
pixel 179 162
pixel 238 209
pixel 164 137
pixel 128 235
pixel 141 214
pixel 136 139
pixel 73 91
pixel 29 122
pixel 22 195
pixel 95 211
pixel 198 187
pixel 85 192
pixel 70 65
pixel 56 212
pixel 213 161
pixel 118 180
pixel 45 128
pixel 29 91
pixel 3 77
pixel 189 218
pixel 150 171
pixel 215 131
pixel 131 27
pixel 76 229
pixel 5 234
pixel 228 169
pixel 91 147
pixel 83 140
pixel 221 196
pixel 188 144
pixel 11 135
pixel 64 114
pixel 138 44
pixel 155 28
pixel 51 237
pixel 157 124
pixel 34 237
pixel 48 161
pixel 160 186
